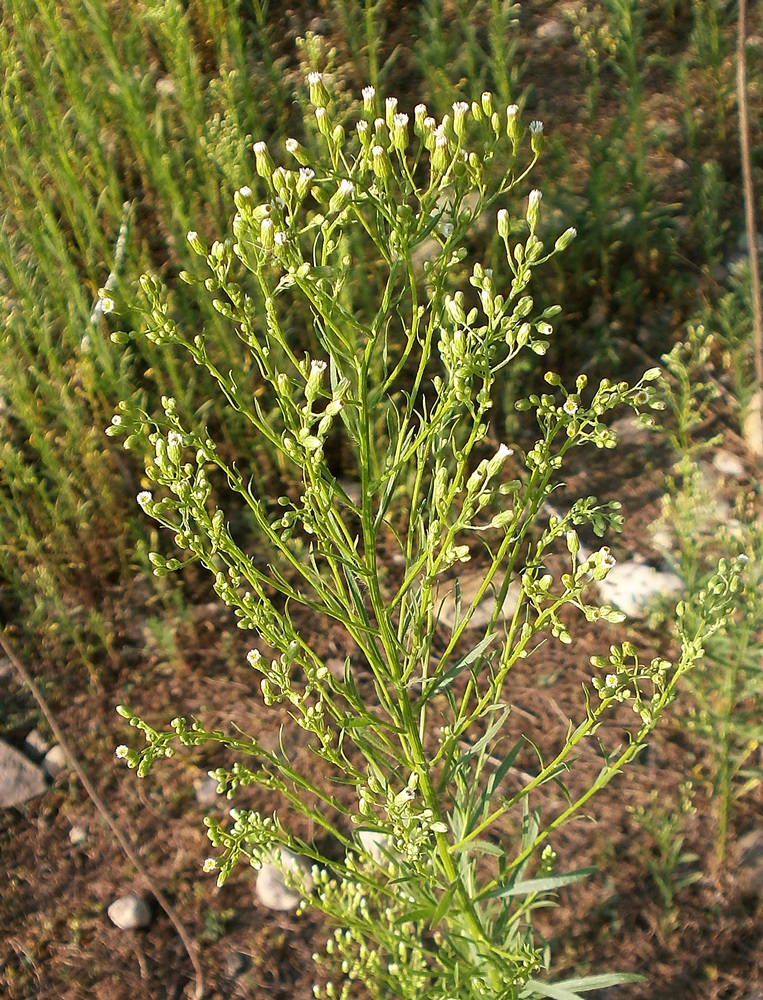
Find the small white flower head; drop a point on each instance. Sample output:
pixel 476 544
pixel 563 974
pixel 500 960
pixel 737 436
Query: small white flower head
pixel 641 397
pixel 535 198
pixel 446 229
pixel 536 137
pixel 314 79
pixel 611 681
pixel 419 116
pixel 460 111
pixel 254 657
pixel 503 452
pixel 192 235
pixel 209 865
pixel 408 794
pixel 317 367
pixel 291 146
pixel 116 420
pixel 121 751
pixel 430 124
pixel 362 128
pixel 322 118
pixel 144 497
pixel 174 440
pixel 369 93
pixel 607 559
pixel 318 93
pixel 245 191
pixel 107 303
pixel 570 406
pixel 280 238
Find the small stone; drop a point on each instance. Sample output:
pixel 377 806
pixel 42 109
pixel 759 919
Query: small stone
pixel 376 844
pixel 272 890
pixel 748 854
pixel 54 762
pixel 78 835
pixel 129 913
pixel 36 746
pixel 552 31
pixel 236 964
pixel 631 585
pixel 469 583
pixel 630 432
pixel 206 791
pixel 20 779
pixel 728 464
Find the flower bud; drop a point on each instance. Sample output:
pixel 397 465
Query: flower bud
pixel 343 195
pixel 369 101
pixel 420 114
pixel 566 238
pixel 267 233
pixel 304 179
pixel 263 161
pixel 487 104
pixel 380 163
pixel 400 132
pixel 533 209
pixel 293 148
pixel 322 118
pixel 318 93
pixel 536 137
pixel 390 110
pixel 504 224
pixel 460 110
pixel 512 124
pixel 440 154
pixel 195 244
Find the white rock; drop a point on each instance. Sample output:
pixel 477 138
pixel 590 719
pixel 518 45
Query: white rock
pixel 20 779
pixel 78 835
pixel 271 888
pixel 206 791
pixel 552 31
pixel 129 913
pixel 469 583
pixel 376 844
pixel 630 586
pixel 35 745
pixel 728 464
pixel 54 762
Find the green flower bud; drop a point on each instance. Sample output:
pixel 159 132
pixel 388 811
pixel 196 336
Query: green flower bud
pixel 263 161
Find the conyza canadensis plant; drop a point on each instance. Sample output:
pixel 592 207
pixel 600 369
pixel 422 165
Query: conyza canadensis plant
pixel 424 860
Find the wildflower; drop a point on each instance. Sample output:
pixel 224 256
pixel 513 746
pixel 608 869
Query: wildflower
pixel 280 238
pixel 608 561
pixel 144 498
pixel 571 406
pixel 254 657
pixel 321 116
pixel 263 161
pixel 343 195
pixel 460 111
pixel 641 397
pixel 390 110
pixel 209 865
pixel 318 92
pixel 121 751
pixel 107 303
pixel 536 137
pixel 369 100
pixel 503 224
pixel 419 117
pixel 512 124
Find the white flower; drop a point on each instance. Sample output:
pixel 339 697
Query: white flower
pixel 570 406
pixel 535 198
pixel 369 93
pixel 292 145
pixel 144 497
pixel 280 238
pixel 611 681
pixel 607 559
pixel 260 148
pixel 174 440
pixel 209 865
pixel 536 127
pixel 107 304
pixel 245 191
pixel 314 78
pixel 192 235
pixel 503 452
pixel 317 367
pixel 121 751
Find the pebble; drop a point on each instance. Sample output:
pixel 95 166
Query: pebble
pixel 728 464
pixel 236 964
pixel 20 779
pixel 469 583
pixel 54 761
pixel 748 855
pixel 206 791
pixel 78 835
pixel 375 844
pixel 630 586
pixel 552 31
pixel 36 746
pixel 273 892
pixel 129 913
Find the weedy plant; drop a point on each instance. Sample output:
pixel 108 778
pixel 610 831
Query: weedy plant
pixel 430 895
